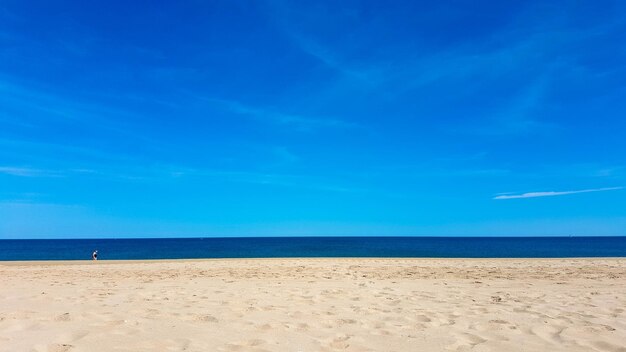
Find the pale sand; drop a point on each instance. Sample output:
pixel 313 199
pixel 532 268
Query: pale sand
pixel 315 305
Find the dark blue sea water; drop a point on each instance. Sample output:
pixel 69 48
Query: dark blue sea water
pixel 269 247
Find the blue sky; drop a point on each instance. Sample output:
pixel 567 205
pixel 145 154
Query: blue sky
pixel 255 118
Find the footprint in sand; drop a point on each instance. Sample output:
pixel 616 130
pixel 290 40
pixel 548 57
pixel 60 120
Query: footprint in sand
pixel 345 321
pixel 231 347
pixel 255 342
pixel 265 327
pixel 422 318
pixel 467 340
pixel 60 347
pixel 340 342
pixel 63 317
pixel 549 333
pixel 496 299
pixel 207 318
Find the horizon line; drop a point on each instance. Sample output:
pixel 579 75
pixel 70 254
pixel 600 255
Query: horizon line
pixel 312 236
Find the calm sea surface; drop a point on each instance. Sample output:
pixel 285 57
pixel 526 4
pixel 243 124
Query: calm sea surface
pixel 269 247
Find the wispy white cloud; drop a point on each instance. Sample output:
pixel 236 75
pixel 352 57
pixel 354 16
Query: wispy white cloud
pixel 299 121
pixel 285 155
pixel 519 115
pixel 364 75
pixel 26 172
pixel 39 153
pixel 39 107
pixel 553 193
pixel 284 180
pixel 50 106
pixel 154 174
pixel 615 171
pixel 531 56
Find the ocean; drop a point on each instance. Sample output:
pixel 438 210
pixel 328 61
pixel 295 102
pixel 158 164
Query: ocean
pixel 272 247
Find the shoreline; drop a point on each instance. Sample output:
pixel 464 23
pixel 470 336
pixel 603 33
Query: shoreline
pixel 199 260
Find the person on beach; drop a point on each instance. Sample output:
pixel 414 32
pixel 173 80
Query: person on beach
pixel 94 255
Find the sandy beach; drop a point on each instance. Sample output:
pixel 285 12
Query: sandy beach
pixel 314 305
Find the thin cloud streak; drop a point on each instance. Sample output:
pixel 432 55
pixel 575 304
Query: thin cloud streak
pixel 26 172
pixel 299 121
pixel 41 108
pixel 552 193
